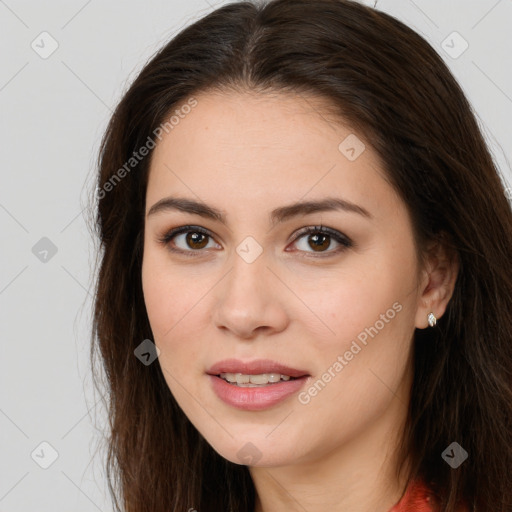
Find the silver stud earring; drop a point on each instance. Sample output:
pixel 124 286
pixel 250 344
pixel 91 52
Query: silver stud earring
pixel 432 320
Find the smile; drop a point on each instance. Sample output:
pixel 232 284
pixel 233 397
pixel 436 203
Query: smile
pixel 244 380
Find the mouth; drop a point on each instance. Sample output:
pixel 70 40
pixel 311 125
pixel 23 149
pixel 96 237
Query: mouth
pixel 258 372
pixel 255 385
pixel 254 381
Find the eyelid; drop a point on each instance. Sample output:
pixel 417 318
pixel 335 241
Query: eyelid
pixel 166 238
pixel 344 241
pixel 333 233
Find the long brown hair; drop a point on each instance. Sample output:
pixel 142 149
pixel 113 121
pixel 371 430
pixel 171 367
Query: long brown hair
pixel 391 87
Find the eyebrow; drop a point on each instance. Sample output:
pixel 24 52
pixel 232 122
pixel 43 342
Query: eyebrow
pixel 277 215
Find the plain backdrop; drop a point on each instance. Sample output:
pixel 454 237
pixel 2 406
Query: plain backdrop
pixel 64 66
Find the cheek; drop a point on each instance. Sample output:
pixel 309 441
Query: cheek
pixel 345 303
pixel 369 312
pixel 169 306
pixel 167 295
pixel 176 314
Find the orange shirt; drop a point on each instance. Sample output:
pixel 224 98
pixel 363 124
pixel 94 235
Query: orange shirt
pixel 417 499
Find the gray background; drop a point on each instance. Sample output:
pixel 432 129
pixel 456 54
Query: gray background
pixel 53 112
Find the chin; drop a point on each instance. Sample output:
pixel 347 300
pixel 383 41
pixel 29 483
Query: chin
pixel 255 450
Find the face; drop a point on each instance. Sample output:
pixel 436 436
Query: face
pixel 329 312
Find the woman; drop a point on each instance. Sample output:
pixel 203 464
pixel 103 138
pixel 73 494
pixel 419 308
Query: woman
pixel 304 299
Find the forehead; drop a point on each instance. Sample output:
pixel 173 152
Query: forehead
pixel 270 120
pixel 255 147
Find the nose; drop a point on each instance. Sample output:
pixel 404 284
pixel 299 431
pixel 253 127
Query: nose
pixel 250 300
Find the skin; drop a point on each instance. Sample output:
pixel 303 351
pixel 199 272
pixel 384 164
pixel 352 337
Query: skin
pixel 246 154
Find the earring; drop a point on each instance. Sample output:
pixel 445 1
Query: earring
pixel 432 320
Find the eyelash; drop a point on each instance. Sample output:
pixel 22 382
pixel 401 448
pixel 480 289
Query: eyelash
pixel 343 240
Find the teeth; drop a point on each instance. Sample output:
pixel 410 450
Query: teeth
pixel 242 379
pixel 248 380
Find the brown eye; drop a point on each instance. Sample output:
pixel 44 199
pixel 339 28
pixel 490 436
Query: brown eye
pixel 196 240
pixel 319 239
pixel 191 240
pixel 319 242
pixel 187 240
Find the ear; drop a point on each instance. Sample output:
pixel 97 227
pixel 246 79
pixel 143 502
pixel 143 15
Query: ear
pixel 437 282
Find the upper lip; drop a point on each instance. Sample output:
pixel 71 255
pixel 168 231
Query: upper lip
pixel 255 367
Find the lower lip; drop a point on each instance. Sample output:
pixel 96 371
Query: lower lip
pixel 255 399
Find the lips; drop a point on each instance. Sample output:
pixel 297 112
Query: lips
pixel 256 367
